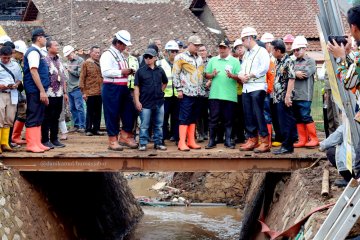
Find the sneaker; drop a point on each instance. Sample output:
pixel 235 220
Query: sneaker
pixel 142 148
pixel 89 134
pixel 160 147
pixel 49 145
pixel 81 130
pixel 58 144
pixel 73 129
pixel 172 139
pixel 98 133
pixel 341 183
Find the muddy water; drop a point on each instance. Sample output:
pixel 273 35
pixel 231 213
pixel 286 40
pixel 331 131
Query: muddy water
pixel 183 223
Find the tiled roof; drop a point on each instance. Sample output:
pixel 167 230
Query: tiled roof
pixel 96 22
pixel 277 17
pixel 20 30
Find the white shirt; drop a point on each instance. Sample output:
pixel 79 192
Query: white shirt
pixel 34 57
pixel 109 65
pixel 6 78
pixel 257 62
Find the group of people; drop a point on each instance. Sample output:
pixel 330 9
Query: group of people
pixel 242 95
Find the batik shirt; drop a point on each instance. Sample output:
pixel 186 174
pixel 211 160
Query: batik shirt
pixel 188 74
pixel 57 76
pixel 284 72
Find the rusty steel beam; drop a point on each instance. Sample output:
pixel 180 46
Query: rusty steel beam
pixel 154 164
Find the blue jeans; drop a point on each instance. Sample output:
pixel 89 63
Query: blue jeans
pixel 288 125
pixel 157 116
pixel 267 109
pixel 302 111
pixel 253 103
pixel 77 108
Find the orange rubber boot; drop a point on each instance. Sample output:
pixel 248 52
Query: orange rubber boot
pixel 269 127
pixel 17 129
pixel 303 137
pixel 182 137
pixel 41 146
pixel 191 137
pixel 314 141
pixel 31 140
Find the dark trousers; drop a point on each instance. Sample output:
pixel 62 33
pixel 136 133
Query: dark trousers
pixel 118 104
pixel 221 109
pixel 288 125
pixel 275 122
pixel 171 111
pixel 202 123
pixel 302 111
pixel 253 104
pixel 189 110
pixel 35 111
pixel 93 113
pixel 51 120
pixel 238 126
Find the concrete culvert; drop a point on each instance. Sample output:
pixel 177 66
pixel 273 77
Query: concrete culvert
pixel 91 205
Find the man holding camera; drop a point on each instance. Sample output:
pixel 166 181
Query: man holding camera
pixel 343 57
pixel 117 100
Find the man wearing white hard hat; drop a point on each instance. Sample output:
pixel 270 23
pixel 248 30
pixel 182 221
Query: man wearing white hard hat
pixel 171 104
pixel 76 102
pixel 238 127
pixel 253 76
pixel 117 101
pixel 4 39
pixel 18 55
pixel 305 68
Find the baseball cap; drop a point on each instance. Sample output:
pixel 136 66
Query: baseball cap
pixel 196 40
pixel 224 43
pixel 151 52
pixel 38 32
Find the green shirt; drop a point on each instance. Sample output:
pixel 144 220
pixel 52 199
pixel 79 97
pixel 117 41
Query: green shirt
pixel 222 87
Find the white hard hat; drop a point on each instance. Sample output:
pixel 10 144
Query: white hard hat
pixel 248 31
pixel 267 37
pixel 4 39
pixel 238 42
pixel 20 46
pixel 299 42
pixel 171 45
pixel 67 50
pixel 124 37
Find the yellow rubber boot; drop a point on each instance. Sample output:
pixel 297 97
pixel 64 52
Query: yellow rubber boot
pixel 5 135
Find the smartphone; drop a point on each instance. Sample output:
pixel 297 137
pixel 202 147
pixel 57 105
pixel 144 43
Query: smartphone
pixel 338 39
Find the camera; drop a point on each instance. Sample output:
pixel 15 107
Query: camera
pixel 338 39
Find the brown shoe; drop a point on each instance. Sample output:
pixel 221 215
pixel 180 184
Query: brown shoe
pixel 127 139
pixel 252 143
pixel 114 145
pixel 264 146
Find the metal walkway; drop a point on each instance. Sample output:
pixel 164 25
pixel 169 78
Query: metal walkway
pixel 90 154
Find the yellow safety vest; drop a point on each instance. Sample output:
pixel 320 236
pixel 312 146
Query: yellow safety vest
pixel 169 90
pixel 134 64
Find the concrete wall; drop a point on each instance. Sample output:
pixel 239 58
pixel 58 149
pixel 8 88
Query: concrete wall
pixel 66 206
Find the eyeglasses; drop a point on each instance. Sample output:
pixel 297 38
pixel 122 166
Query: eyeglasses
pixel 297 49
pixel 148 57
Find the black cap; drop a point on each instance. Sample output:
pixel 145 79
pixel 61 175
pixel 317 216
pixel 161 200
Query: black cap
pixel 151 52
pixel 180 43
pixel 224 43
pixel 38 32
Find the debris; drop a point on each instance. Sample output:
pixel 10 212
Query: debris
pixel 159 185
pixel 325 183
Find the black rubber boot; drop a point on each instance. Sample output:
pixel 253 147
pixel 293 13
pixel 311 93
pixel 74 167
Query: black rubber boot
pixel 228 142
pixel 212 142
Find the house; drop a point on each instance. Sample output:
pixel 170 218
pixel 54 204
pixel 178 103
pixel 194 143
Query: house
pixel 84 23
